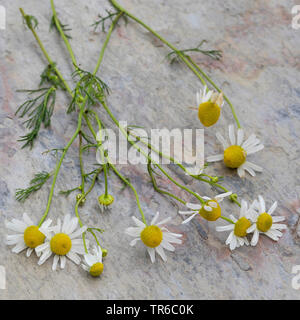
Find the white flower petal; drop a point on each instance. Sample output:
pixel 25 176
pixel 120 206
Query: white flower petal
pixel 78 232
pixel 151 252
pixel 138 222
pixel 189 218
pixel 231 134
pixel 161 252
pixel 214 158
pixel 55 261
pixel 165 221
pixel 155 218
pixel 27 220
pixel 240 136
pixel 194 206
pixel 273 208
pixel 225 228
pixel 278 219
pixel 255 238
pixel 74 257
pixel 222 140
pixel 262 205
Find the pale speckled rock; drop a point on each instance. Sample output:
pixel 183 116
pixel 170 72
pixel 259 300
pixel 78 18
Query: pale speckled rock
pixel 259 71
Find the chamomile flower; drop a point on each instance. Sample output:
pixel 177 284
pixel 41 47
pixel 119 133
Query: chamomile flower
pixel 236 152
pixel 155 237
pixel 264 222
pixel 105 201
pixel 28 234
pixel 210 211
pixel 238 230
pixel 92 263
pixel 62 243
pixel 209 106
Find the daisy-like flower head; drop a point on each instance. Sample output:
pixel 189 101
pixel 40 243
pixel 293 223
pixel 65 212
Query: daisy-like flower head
pixel 28 235
pixel 155 237
pixel 238 230
pixel 264 222
pixel 62 243
pixel 210 211
pixel 93 262
pixel 236 153
pixel 209 106
pixel 105 201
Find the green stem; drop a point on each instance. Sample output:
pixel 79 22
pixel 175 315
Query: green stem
pixel 116 171
pixel 227 219
pixel 132 188
pixel 69 48
pixel 101 151
pixel 186 59
pixel 81 162
pixel 181 55
pixel 150 171
pixel 148 157
pixel 80 222
pixel 59 165
pixel 45 53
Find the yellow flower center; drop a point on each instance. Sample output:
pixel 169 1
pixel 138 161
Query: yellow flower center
pixel 264 222
pixel 60 244
pixel 211 215
pixel 152 236
pixel 96 269
pixel 234 156
pixel 33 237
pixel 241 226
pixel 208 113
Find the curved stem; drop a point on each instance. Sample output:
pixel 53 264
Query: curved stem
pixel 147 156
pixel 133 189
pixel 80 222
pixel 150 171
pixel 81 162
pixel 59 165
pixel 56 21
pixel 46 54
pixel 186 59
pixel 227 219
pixel 115 169
pixel 181 55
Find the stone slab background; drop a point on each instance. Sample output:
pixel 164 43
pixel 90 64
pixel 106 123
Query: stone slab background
pixel 259 71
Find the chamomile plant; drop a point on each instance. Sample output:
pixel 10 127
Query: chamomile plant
pixel 155 237
pixel 237 151
pixel 68 238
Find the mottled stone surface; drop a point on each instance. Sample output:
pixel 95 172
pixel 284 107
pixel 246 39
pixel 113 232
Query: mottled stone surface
pixel 259 71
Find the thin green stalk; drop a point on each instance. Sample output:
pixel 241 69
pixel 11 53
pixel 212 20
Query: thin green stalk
pixel 80 222
pixel 132 188
pixel 56 21
pixel 116 171
pixel 102 156
pixel 148 157
pixel 93 181
pixel 150 171
pixel 45 53
pixel 59 165
pixel 227 219
pixel 81 162
pixel 182 56
pixel 186 59
pixel 67 43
